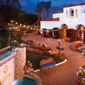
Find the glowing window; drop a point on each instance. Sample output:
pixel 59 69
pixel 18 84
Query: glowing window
pixel 67 13
pixel 71 12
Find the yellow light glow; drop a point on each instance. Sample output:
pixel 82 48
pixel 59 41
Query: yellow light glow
pixel 24 25
pixel 16 22
pixel 11 20
pixel 20 24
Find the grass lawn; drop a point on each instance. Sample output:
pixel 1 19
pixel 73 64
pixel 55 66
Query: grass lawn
pixel 18 38
pixel 35 59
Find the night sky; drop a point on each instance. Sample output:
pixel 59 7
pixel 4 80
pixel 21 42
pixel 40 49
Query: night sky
pixel 30 5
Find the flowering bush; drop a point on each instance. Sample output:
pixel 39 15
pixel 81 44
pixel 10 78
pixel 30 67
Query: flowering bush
pixel 15 42
pixel 14 33
pixel 23 45
pixel 83 52
pixel 81 76
pixel 57 47
pixel 50 53
pixel 40 47
pixel 27 67
pixel 29 64
pixel 76 47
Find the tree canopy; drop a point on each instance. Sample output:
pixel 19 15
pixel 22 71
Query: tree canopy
pixel 9 9
pixel 41 6
pixel 26 18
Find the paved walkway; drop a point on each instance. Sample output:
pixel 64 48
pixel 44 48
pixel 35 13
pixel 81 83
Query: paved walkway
pixel 64 74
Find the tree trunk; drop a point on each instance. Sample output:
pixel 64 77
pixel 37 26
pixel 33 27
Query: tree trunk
pixel 39 15
pixel 43 14
pixel 47 13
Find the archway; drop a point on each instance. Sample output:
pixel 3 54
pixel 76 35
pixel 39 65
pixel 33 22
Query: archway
pixel 80 28
pixel 44 31
pixel 55 32
pixel 71 12
pixel 63 28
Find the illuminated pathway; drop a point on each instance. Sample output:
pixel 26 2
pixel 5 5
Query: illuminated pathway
pixel 64 74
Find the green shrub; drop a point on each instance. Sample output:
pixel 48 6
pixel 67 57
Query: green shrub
pixel 4 38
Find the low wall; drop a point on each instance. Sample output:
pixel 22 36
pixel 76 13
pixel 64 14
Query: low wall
pixel 3 49
pixel 7 70
pixel 11 67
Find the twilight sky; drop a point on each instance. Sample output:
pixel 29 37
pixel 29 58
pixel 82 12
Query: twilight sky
pixel 30 5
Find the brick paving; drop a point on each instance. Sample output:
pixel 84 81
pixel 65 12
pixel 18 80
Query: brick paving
pixel 64 74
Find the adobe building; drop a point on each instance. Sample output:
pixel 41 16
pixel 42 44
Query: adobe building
pixel 71 21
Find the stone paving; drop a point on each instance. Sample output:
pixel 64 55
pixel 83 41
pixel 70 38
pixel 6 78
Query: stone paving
pixel 64 74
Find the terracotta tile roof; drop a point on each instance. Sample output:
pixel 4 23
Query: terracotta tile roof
pixel 75 5
pixel 54 19
pixel 58 12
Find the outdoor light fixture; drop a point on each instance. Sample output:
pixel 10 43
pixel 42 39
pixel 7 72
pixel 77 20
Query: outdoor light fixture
pixel 59 46
pixel 27 26
pixel 20 25
pixel 16 22
pixel 24 25
pixel 11 20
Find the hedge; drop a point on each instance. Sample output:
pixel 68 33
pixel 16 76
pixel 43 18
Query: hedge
pixel 4 38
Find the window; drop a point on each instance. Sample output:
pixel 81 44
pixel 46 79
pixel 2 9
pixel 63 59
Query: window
pixel 76 13
pixel 67 13
pixel 71 12
pixel 84 10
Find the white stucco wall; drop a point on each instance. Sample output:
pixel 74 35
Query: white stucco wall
pixel 71 22
pixel 83 9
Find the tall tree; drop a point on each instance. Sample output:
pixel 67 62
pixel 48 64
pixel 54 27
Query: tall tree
pixel 39 10
pixel 47 6
pixel 43 6
pixel 9 9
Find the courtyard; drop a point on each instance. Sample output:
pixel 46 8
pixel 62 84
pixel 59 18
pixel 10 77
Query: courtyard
pixel 64 74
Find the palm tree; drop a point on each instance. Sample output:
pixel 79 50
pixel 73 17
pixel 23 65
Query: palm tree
pixel 47 6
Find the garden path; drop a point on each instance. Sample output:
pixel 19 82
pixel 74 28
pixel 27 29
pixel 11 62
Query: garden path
pixel 64 74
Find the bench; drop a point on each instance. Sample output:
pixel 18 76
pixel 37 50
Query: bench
pixel 48 63
pixel 68 39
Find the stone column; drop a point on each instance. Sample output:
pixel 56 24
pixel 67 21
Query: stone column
pixel 20 60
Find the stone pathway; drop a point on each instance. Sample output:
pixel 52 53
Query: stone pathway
pixel 64 74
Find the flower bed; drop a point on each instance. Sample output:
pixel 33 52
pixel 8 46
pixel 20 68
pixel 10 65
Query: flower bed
pixel 15 42
pixel 76 47
pixel 23 45
pixel 81 76
pixel 40 47
pixel 15 33
pixel 49 53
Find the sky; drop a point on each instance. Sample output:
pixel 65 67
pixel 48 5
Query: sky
pixel 30 5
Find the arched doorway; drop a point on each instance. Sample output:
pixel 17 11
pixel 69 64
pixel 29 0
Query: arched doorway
pixel 80 28
pixel 44 31
pixel 63 28
pixel 55 32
